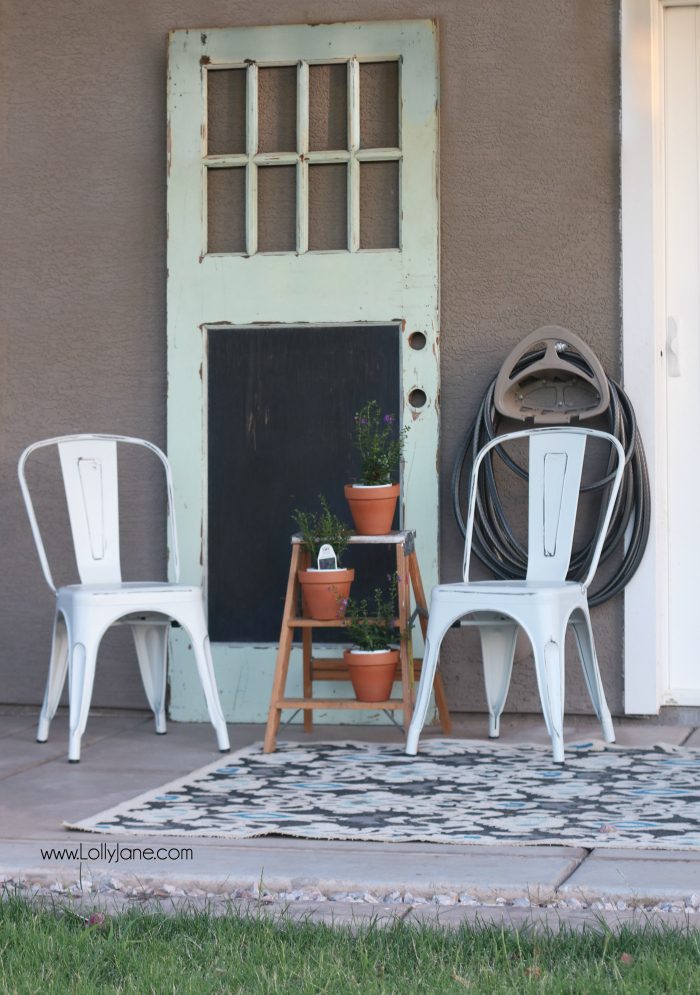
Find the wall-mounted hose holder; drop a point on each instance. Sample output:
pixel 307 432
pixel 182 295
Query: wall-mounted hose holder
pixel 551 365
pixel 551 378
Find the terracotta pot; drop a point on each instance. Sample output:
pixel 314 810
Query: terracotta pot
pixel 372 673
pixel 372 508
pixel 322 591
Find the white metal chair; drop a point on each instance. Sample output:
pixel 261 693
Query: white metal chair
pixel 544 603
pixel 85 611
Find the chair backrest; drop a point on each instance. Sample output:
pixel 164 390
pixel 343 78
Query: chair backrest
pixel 555 466
pixel 89 470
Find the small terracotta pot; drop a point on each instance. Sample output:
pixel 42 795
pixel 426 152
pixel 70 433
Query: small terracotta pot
pixel 322 592
pixel 372 508
pixel 372 673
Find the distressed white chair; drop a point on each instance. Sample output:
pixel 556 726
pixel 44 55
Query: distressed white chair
pixel 544 603
pixel 85 611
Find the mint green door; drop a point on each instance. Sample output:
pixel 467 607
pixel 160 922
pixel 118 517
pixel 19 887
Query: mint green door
pixel 244 250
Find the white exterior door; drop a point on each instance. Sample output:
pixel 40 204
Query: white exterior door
pixel 681 33
pixel 246 161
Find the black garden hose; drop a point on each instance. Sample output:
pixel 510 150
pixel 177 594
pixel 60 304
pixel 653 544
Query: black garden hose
pixel 494 543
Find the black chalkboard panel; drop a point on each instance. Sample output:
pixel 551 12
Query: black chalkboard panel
pixel 281 402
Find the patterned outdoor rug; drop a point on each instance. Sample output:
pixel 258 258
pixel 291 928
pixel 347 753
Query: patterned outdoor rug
pixel 454 791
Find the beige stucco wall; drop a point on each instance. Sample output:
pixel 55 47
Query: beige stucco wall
pixel 530 204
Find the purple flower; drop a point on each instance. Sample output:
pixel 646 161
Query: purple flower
pixel 388 419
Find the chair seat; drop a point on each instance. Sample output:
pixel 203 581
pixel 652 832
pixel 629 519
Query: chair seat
pixel 510 590
pixel 142 594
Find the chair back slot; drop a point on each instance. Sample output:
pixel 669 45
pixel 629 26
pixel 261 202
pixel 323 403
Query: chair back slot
pixel 89 468
pixel 555 467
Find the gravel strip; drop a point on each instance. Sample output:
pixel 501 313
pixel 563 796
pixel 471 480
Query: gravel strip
pixel 256 894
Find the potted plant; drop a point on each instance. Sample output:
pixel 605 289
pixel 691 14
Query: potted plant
pixel 373 500
pixel 372 660
pixel 323 591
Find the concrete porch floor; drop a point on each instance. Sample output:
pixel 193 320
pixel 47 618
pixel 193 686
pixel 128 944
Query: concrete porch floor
pixel 321 879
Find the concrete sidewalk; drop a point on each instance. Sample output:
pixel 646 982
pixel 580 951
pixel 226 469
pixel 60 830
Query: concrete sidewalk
pixel 320 879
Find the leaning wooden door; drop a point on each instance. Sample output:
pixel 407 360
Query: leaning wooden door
pixel 295 202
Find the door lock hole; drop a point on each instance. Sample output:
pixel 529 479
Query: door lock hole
pixel 417 340
pixel 417 398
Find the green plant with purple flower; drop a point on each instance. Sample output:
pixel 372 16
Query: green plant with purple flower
pixel 378 443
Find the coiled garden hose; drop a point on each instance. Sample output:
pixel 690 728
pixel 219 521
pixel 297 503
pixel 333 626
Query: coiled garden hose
pixel 494 542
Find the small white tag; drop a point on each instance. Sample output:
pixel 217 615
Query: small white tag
pixel 327 560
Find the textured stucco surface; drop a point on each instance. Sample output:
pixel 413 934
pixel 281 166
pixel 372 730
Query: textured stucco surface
pixel 530 203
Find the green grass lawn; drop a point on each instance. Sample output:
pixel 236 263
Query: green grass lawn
pixel 48 951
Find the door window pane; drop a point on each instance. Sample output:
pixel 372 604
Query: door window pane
pixel 328 107
pixel 277 109
pixel 379 205
pixel 276 209
pixel 226 210
pixel 379 105
pixel 328 210
pixel 226 115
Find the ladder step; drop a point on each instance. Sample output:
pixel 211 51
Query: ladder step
pixel 335 669
pixel 330 623
pixel 308 704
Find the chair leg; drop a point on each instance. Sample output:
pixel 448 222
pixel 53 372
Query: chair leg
pixel 205 666
pixel 151 642
pixel 589 661
pixel 548 649
pixel 58 667
pixel 497 651
pixel 436 630
pixel 196 628
pixel 81 677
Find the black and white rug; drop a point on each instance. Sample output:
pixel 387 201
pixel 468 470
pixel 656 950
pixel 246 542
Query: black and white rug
pixel 454 791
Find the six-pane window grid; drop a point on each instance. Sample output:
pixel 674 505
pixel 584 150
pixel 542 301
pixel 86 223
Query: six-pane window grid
pixel 365 143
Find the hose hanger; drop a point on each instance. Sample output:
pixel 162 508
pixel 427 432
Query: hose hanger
pixel 551 378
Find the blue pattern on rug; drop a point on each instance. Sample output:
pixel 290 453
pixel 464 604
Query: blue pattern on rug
pixel 454 791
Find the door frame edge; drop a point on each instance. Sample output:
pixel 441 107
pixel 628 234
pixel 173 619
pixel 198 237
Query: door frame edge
pixel 642 285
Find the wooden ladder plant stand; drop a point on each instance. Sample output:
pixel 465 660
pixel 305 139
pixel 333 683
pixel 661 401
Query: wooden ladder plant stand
pixel 334 669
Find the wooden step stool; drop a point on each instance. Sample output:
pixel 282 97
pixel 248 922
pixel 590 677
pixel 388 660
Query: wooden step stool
pixel 334 669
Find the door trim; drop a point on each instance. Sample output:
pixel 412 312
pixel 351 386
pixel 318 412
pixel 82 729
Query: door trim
pixel 644 340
